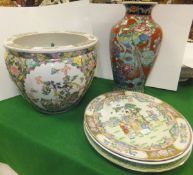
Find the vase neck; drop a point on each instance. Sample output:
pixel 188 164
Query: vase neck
pixel 139 9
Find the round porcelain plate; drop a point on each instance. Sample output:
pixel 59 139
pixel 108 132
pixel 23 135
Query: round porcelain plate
pixel 138 126
pixel 136 166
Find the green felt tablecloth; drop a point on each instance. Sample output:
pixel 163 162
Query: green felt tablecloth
pixel 33 143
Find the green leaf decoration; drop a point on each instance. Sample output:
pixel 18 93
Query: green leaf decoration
pixel 128 105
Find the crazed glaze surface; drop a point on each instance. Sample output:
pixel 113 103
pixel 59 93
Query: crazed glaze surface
pixel 52 82
pixel 134 45
pixel 138 126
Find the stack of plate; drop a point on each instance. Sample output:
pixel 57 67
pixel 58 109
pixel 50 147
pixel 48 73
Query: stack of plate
pixel 186 73
pixel 137 131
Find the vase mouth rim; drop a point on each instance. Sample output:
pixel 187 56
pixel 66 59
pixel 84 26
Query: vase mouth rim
pixel 139 3
pixel 50 42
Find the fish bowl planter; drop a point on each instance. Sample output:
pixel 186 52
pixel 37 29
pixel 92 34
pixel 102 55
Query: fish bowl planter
pixel 52 70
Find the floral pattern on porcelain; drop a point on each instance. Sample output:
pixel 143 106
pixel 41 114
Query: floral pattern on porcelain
pixel 53 82
pixel 134 45
pixel 138 126
pixel 142 167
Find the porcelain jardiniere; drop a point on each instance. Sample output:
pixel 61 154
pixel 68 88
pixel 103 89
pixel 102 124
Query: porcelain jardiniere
pixel 134 45
pixel 52 70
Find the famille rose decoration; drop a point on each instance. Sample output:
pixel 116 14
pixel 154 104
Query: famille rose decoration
pixel 132 165
pixel 138 129
pixel 134 46
pixel 52 70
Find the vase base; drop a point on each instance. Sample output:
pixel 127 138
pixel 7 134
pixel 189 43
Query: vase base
pixel 125 87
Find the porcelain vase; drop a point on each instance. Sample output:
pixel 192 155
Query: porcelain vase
pixel 134 46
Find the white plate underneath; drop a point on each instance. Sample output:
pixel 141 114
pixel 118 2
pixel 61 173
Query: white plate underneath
pixel 135 166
